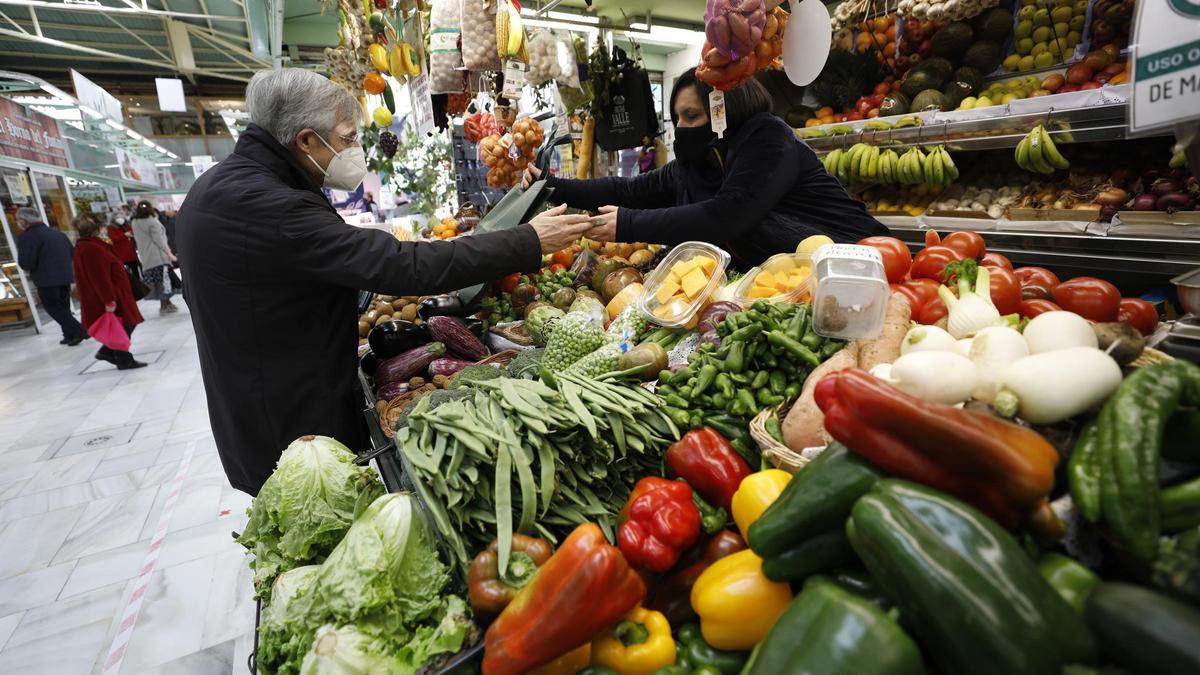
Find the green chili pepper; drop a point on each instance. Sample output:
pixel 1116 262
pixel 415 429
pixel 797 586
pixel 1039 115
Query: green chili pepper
pixel 746 397
pixel 774 427
pixel 795 328
pixel 767 399
pixel 761 378
pixel 682 375
pixel 794 348
pixel 811 340
pixel 740 378
pixel 768 360
pixel 725 385
pixel 760 306
pixel 678 415
pixel 736 361
pixel 664 389
pixel 704 380
pixel 677 401
pixel 695 419
pixel 778 383
pixel 832 347
pixel 720 401
pixel 792 391
pixel 751 454
pixel 746 332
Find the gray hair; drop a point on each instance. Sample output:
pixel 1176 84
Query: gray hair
pixel 289 100
pixel 28 215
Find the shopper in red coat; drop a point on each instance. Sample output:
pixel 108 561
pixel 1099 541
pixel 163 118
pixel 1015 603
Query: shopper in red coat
pixel 120 233
pixel 103 286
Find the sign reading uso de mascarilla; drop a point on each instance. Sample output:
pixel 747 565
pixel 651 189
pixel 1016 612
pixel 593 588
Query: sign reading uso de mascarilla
pixel 1166 70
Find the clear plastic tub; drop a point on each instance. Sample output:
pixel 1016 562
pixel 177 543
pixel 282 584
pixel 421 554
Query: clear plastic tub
pixel 780 264
pixel 683 306
pixel 851 291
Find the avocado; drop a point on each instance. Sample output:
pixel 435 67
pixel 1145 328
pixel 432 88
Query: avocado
pixel 995 24
pixel 918 80
pixel 797 116
pixel 930 99
pixel 938 66
pixel 952 40
pixel 984 55
pixel 895 103
pixel 971 76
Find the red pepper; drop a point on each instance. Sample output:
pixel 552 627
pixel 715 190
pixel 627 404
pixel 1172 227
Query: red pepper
pixel 508 283
pixel 706 460
pixel 659 524
pixel 673 597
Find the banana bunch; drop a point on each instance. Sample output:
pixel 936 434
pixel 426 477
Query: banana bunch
pixel 939 167
pixel 863 163
pixel 908 121
pixel 510 33
pixel 911 168
pixel 1037 152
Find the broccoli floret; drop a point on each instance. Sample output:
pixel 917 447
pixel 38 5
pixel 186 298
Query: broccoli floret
pixel 525 365
pixel 471 374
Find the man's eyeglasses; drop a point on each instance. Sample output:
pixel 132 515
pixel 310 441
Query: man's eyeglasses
pixel 351 139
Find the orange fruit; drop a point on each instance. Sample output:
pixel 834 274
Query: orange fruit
pixel 373 83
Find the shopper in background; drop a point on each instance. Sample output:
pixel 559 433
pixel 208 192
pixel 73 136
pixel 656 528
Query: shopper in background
pixel 45 253
pixel 120 233
pixel 369 202
pixel 273 272
pixel 156 255
pixel 168 220
pixel 756 192
pixel 103 285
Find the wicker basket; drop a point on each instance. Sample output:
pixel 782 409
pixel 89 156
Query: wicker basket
pixel 779 455
pixel 1149 357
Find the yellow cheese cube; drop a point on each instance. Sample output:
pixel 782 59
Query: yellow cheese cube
pixel 705 263
pixel 682 268
pixel 665 292
pixel 760 292
pixel 764 278
pixel 780 266
pixel 694 283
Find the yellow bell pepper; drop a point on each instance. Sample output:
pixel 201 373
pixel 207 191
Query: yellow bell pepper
pixel 638 644
pixel 568 664
pixel 737 603
pixel 755 494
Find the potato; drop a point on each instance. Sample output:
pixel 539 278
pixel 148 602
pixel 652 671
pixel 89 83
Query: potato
pixel 804 426
pixel 1129 343
pixel 399 304
pixel 382 317
pixel 886 347
pixel 408 312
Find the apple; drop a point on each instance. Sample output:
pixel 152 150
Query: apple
pixel 1053 83
pixel 1080 73
pixel 882 88
pixel 873 113
pixel 1039 92
pixel 1067 88
pixel 1090 85
pixel 1114 68
pixel 855 116
pixel 896 84
pixel 863 106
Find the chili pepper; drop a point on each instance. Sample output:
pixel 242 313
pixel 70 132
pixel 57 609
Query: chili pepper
pixel 639 644
pixel 830 348
pixel 792 391
pixel 751 454
pixel 712 518
pixel 766 399
pixel 778 383
pixel 746 332
pixel 490 591
pixel 811 340
pixel 760 306
pixel 568 664
pixel 774 427
pixel 673 597
pixel 746 398
pixel 678 416
pixel 755 494
pixel 694 654
pixel 587 580
pixel 761 378
pixel 695 420
pixel 1129 440
pixel 735 362
pixel 796 327
pixel 737 604
pixel 720 401
pixel 1004 469
pixel 682 375
pixel 725 385
pixel 768 360
pixel 676 401
pixel 658 524
pixel 795 349
pixel 705 379
pixel 1071 579
pixel 1083 474
pixel 1181 506
pixel 706 460
pixel 739 378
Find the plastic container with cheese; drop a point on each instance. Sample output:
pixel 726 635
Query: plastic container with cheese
pixel 683 283
pixel 784 277
pixel 850 291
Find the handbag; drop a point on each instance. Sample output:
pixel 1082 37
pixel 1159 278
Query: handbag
pixel 137 286
pixel 627 119
pixel 108 331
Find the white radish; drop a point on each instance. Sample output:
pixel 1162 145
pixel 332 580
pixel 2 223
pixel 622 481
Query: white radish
pixel 940 377
pixel 928 339
pixel 1052 331
pixel 992 350
pixel 1051 386
pixel 964 345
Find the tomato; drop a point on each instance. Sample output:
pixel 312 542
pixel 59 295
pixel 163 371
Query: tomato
pixel 932 312
pixel 1039 276
pixel 915 300
pixel 1089 297
pixel 930 261
pixel 564 257
pixel 374 83
pixel 968 243
pixel 932 238
pixel 1031 308
pixel 1005 290
pixel 557 267
pixel 1139 314
pixel 1036 292
pixel 508 283
pixel 990 259
pixel 896 256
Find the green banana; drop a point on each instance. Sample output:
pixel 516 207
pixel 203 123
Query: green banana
pixel 948 165
pixel 1036 160
pixel 1050 151
pixel 831 161
pixel 1022 154
pixel 878 125
pixel 1178 160
pixel 872 172
pixel 908 121
pixel 840 129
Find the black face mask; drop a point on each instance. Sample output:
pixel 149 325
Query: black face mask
pixel 692 143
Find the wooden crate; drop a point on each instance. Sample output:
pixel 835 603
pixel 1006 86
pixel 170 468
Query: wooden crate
pixel 14 311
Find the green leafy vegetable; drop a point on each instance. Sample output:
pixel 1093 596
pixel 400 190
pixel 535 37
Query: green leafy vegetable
pixel 347 651
pixel 305 507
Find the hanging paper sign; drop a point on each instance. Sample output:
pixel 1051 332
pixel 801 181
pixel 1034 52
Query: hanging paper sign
pixel 1166 64
pixel 422 103
pixel 514 79
pixel 717 117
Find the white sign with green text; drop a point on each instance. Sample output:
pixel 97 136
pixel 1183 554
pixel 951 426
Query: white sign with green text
pixel 1166 66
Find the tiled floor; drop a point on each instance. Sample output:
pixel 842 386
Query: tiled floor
pixel 88 456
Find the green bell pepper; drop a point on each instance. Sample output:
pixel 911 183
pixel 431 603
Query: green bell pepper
pixel 1071 579
pixel 963 585
pixel 694 656
pixel 828 629
pixel 817 554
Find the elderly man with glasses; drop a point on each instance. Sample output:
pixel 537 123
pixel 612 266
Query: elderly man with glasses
pixel 45 253
pixel 272 272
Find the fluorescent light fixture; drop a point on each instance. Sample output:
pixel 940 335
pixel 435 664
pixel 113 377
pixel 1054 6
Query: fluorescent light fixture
pixel 172 155
pixel 559 25
pixel 56 92
pixel 667 34
pixel 111 166
pixel 90 111
pixel 114 124
pixel 148 143
pixel 162 164
pixel 133 134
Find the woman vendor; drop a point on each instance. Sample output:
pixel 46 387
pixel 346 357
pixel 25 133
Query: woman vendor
pixel 756 192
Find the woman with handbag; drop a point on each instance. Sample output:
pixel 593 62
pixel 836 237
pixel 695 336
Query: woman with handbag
pixel 102 283
pixel 120 233
pixel 156 255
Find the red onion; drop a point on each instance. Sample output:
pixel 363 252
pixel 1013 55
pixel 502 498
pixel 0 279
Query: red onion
pixel 1144 202
pixel 1177 173
pixel 1164 186
pixel 1174 201
pixel 1192 185
pixel 1107 212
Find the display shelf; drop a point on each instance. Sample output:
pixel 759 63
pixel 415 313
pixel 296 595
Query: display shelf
pixel 1090 116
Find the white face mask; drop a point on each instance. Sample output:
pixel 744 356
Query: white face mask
pixel 119 221
pixel 347 168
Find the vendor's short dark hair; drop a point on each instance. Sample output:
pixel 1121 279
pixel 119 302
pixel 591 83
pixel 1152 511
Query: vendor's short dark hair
pixel 86 225
pixel 741 103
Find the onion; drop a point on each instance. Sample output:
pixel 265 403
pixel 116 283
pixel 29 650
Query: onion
pixel 1112 196
pixel 1121 177
pixel 1107 212
pixel 1174 201
pixel 1144 202
pixel 1163 186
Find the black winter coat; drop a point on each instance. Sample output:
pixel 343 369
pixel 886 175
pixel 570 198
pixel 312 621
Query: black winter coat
pixel 272 278
pixel 47 255
pixel 767 194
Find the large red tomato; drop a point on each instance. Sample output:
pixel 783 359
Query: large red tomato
pixel 932 238
pixel 1005 290
pixel 1036 276
pixel 968 243
pixel 918 292
pixel 930 261
pixel 508 283
pixel 933 311
pixel 1089 297
pixel 991 259
pixel 564 257
pixel 1139 314
pixel 896 256
pixel 1036 292
pixel 1031 308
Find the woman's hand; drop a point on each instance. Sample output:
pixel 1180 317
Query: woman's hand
pixel 172 257
pixel 556 231
pixel 604 226
pixel 530 176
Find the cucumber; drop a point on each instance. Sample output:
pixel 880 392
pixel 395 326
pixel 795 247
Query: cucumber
pixel 1144 631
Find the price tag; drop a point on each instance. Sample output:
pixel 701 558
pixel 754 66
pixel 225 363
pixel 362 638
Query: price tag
pixel 561 121
pixel 514 79
pixel 716 115
pixel 422 103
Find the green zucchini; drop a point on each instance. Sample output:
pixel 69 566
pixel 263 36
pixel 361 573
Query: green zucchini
pixel 1145 631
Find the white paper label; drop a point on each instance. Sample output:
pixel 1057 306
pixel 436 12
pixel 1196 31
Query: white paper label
pixel 443 40
pixel 514 78
pixel 1166 64
pixel 716 117
pixel 422 103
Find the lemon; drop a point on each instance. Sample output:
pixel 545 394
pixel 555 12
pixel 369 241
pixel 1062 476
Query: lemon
pixel 382 117
pixel 1011 61
pixel 984 102
pixel 1043 60
pixel 967 103
pixel 1026 63
pixel 1024 29
pixel 811 244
